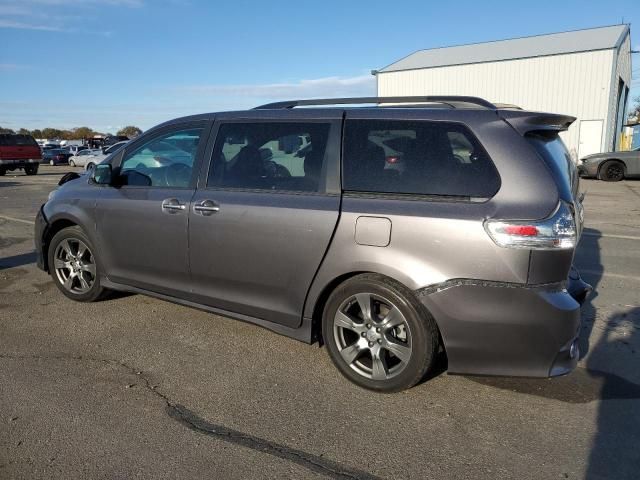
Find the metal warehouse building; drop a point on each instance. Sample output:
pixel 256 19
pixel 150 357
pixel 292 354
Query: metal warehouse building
pixel 584 73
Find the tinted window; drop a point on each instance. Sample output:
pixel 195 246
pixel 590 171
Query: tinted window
pixel 164 161
pixel 10 140
pixel 555 154
pixel 416 157
pixel 269 156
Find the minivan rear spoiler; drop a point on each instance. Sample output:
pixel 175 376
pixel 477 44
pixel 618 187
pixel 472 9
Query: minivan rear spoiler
pixel 524 122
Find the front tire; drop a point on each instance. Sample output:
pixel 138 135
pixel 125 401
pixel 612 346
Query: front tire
pixel 3 172
pixel 74 266
pixel 72 163
pixel 611 171
pixel 378 335
pixel 90 166
pixel 31 169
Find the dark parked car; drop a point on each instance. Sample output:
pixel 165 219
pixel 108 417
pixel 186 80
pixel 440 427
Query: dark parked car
pixel 111 140
pixel 56 156
pixel 19 152
pixel 611 166
pixel 467 251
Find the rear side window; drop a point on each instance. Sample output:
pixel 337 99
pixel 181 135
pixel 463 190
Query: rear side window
pixel 269 156
pixel 416 158
pixel 555 154
pixel 23 140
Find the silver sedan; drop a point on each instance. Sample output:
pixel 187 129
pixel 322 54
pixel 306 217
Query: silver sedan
pixel 611 166
pixel 84 158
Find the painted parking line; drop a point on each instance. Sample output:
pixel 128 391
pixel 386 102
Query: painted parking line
pixel 12 219
pixel 610 275
pixel 606 235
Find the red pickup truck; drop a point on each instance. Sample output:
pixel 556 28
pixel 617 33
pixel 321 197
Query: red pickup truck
pixel 19 151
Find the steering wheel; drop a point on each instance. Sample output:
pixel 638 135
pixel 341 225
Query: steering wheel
pixel 177 175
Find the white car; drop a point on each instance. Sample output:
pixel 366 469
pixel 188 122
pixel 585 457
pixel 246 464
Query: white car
pixel 97 156
pixel 84 157
pixel 75 149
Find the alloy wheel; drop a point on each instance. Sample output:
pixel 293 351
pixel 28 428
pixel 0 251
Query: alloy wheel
pixel 74 265
pixel 615 172
pixel 373 336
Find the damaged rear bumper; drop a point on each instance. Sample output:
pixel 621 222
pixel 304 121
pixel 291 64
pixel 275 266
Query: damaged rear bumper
pixel 495 328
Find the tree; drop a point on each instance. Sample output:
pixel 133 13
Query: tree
pixel 24 131
pixel 36 133
pixel 82 132
pixel 6 130
pixel 52 133
pixel 634 111
pixel 130 131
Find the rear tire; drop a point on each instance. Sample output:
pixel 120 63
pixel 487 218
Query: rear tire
pixel 3 172
pixel 378 334
pixel 52 163
pixel 90 166
pixel 31 169
pixel 72 163
pixel 74 267
pixel 611 171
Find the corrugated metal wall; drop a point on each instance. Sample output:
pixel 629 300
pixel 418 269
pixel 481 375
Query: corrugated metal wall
pixel 622 71
pixel 577 84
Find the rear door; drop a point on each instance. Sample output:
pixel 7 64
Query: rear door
pixel 265 212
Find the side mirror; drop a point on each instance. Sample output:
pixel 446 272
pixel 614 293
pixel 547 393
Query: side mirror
pixel 102 174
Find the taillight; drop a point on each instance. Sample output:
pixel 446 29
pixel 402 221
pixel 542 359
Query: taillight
pixel 392 159
pixel 556 232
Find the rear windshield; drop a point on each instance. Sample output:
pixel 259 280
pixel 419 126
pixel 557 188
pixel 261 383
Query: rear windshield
pixel 416 158
pixel 555 154
pixel 11 140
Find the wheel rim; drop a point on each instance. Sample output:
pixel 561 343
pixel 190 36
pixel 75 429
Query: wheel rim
pixel 74 266
pixel 614 172
pixel 373 336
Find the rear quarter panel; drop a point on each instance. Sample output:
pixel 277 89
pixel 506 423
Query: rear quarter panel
pixel 435 241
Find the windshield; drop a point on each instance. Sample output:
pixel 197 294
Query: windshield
pixel 113 148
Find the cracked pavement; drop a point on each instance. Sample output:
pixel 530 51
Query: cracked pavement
pixel 138 387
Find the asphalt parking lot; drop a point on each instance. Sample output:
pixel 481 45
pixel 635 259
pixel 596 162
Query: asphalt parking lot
pixel 138 387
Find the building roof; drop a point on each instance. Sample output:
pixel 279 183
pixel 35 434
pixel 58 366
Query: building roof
pixel 600 38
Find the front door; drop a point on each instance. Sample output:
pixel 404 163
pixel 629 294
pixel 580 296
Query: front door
pixel 142 224
pixel 261 225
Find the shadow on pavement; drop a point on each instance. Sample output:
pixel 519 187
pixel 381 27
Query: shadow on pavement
pixel 615 452
pixel 18 260
pixel 615 449
pixel 589 263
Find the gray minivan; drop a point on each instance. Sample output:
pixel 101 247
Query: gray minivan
pixel 298 220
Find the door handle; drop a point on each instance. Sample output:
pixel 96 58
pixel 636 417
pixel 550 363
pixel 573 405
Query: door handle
pixel 206 207
pixel 172 205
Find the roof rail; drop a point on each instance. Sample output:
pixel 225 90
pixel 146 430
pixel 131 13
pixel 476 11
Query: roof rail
pixel 450 100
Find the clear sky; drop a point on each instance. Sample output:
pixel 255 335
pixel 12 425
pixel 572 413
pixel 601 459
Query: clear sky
pixel 110 63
